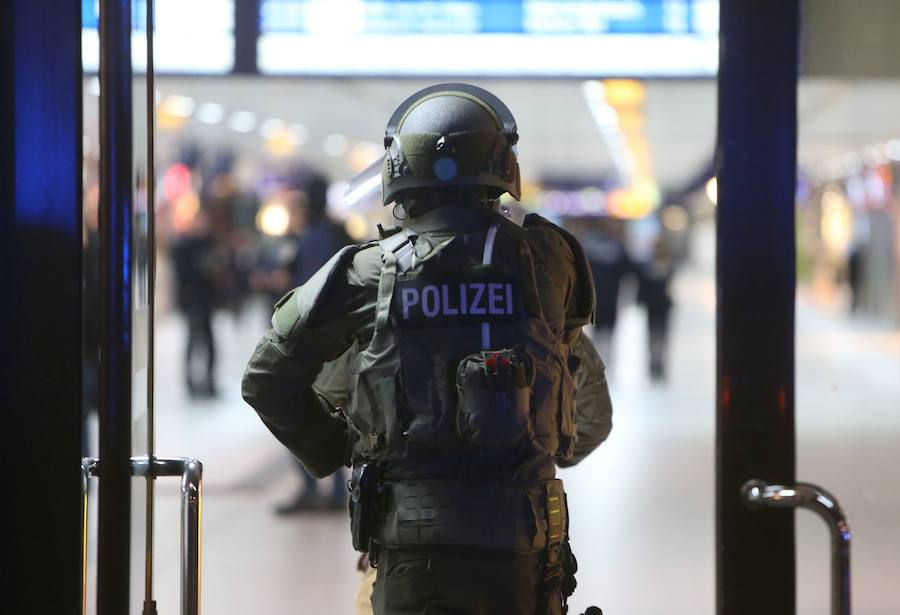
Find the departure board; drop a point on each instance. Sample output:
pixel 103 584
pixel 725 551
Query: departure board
pixel 195 37
pixel 528 38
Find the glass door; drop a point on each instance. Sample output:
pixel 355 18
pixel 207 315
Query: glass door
pixel 120 172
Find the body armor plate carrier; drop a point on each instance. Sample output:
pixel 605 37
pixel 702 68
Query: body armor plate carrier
pixel 463 361
pixel 461 355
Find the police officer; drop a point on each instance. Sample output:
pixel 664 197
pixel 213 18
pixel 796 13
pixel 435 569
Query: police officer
pixel 470 379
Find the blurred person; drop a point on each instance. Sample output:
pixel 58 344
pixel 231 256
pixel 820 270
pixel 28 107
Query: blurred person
pixel 604 245
pixel 198 269
pixel 654 282
pixel 233 216
pixel 273 267
pixel 318 240
pixel 219 200
pixel 856 257
pixel 654 263
pixel 462 396
pixel 321 236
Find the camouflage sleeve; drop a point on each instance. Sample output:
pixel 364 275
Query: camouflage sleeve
pixel 593 408
pixel 279 387
pixel 313 325
pixel 333 381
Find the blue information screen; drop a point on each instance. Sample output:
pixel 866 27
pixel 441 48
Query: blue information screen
pixel 486 16
pixel 490 37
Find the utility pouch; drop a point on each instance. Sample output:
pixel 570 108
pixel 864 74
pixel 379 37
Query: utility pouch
pixel 494 398
pixel 363 491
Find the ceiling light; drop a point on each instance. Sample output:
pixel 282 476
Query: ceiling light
pixel 177 106
pixel 606 116
pixel 592 90
pixel 624 92
pixel 242 121
pixel 273 219
pixel 335 145
pixel 271 128
pixel 211 113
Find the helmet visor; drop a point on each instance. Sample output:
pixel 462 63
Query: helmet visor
pixel 365 186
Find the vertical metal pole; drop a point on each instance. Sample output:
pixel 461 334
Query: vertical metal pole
pixel 116 210
pixel 40 314
pixel 88 469
pixel 840 568
pixel 85 474
pixel 756 170
pixel 191 512
pixel 149 602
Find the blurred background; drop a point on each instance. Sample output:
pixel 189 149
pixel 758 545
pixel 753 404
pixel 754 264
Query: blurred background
pixel 266 110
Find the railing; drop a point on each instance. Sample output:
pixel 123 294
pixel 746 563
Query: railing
pixel 191 473
pixel 759 493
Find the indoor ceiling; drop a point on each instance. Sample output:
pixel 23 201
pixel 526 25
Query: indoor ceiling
pixel 559 138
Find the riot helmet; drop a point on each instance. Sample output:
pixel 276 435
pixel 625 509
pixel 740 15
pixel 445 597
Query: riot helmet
pixel 450 135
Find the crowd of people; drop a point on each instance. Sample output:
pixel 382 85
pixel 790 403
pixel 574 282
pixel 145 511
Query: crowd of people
pixel 220 258
pixel 217 258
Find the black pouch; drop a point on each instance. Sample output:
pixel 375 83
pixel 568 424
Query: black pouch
pixel 494 398
pixel 363 491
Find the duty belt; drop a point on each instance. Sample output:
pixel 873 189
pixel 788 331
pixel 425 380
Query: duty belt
pixel 521 517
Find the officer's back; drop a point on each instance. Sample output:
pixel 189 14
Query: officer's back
pixel 467 354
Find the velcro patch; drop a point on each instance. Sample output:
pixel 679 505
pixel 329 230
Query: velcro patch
pixel 447 301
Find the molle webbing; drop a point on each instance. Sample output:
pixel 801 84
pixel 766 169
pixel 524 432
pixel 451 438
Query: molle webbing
pixel 525 518
pixel 404 391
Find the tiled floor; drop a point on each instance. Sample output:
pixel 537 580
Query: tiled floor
pixel 642 506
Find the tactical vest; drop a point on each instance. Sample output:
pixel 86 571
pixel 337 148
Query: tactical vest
pixel 461 357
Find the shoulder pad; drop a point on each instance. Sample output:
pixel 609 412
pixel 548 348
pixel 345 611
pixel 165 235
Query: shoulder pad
pixel 584 293
pixel 537 220
pixel 294 310
pixel 507 226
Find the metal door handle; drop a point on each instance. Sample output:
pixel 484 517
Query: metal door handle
pixel 804 495
pixel 191 473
